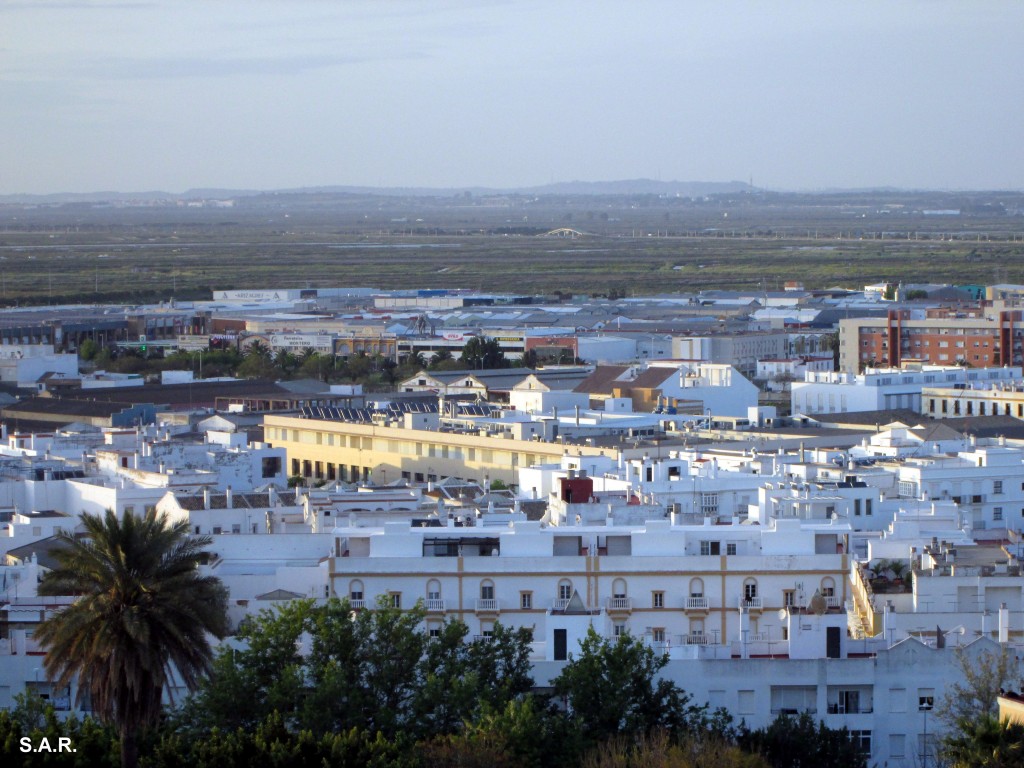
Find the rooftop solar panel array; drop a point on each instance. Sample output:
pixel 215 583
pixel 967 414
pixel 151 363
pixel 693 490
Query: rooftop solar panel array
pixel 365 415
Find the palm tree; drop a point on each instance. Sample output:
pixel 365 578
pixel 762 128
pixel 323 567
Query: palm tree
pixel 986 741
pixel 143 609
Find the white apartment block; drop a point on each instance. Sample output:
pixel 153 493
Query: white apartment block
pixel 886 388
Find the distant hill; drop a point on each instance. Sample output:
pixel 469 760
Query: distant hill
pixel 627 187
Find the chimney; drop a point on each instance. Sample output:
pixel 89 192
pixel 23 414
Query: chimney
pixel 272 496
pixel 1004 624
pixel 228 498
pixel 206 498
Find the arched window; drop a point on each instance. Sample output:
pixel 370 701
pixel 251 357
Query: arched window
pixel 696 587
pixel 486 589
pixel 564 589
pixel 619 588
pixel 828 587
pixel 750 589
pixel 355 591
pixel 433 590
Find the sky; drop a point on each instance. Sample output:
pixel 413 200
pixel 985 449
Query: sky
pixel 170 95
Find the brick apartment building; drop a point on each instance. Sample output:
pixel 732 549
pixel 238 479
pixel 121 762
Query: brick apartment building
pixel 981 338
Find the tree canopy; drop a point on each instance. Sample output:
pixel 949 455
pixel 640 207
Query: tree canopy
pixel 483 353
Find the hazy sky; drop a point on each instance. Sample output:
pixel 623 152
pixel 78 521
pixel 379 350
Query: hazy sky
pixel 261 94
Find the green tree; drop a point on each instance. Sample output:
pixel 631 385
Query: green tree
pixel 975 694
pixel 658 749
pixel 87 349
pixel 984 742
pixel 316 366
pixel 483 353
pixel 260 674
pixel 613 687
pixel 286 362
pixel 258 349
pixel 256 366
pixel 143 609
pixel 799 742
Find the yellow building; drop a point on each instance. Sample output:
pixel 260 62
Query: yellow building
pixel 333 450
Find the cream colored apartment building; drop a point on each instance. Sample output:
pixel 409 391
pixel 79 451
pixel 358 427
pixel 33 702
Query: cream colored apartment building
pixel 325 451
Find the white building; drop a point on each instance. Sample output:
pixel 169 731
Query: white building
pixel 885 388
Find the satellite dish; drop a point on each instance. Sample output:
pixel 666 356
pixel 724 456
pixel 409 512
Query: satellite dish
pixel 783 614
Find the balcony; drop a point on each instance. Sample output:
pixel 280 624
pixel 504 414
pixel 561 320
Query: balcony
pixel 751 603
pixel 861 709
pixel 620 604
pixel 486 605
pixel 559 603
pixel 696 639
pixel 794 711
pixel 356 605
pixel 696 604
pixel 435 605
pixel 833 601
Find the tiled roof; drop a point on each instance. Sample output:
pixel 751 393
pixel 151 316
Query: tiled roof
pixel 600 382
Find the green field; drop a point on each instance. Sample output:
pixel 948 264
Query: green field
pixel 79 254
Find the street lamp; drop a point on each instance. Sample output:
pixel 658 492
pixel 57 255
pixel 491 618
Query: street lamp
pixel 925 705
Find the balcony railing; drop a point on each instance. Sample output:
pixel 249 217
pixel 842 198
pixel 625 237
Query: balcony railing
pixel 696 639
pixel 812 710
pixel 487 604
pixel 696 603
pixel 559 603
pixel 833 601
pixel 435 604
pixel 356 604
pixel 751 603
pixel 619 603
pixel 839 709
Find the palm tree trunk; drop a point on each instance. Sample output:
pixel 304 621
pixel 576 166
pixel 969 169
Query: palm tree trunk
pixel 129 747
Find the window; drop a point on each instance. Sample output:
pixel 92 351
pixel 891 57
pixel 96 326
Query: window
pixel 526 600
pixel 997 486
pixel 658 634
pixel 828 587
pixel 789 597
pixel 750 589
pixel 487 590
pixel 997 513
pixel 730 548
pixel 897 745
pixel 863 741
pixel 355 591
pixel 925 699
pixel 564 589
pixel 746 703
pixel 856 507
pixel 710 547
pixel 433 631
pixel 618 629
pixel 270 466
pixel 433 590
pixel 696 588
pixel 867 506
pixel 657 599
pixel 709 504
pixel 395 599
pixel 619 588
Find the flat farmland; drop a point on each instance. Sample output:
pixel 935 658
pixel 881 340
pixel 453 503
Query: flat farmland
pixel 63 255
